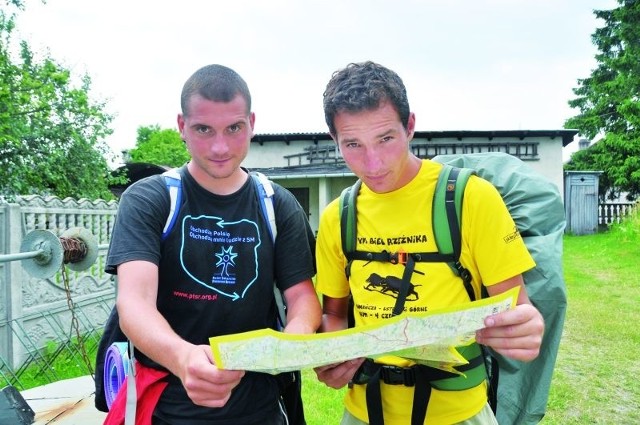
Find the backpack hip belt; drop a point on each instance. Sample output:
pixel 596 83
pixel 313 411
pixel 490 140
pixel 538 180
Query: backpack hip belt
pixel 472 373
pixel 423 378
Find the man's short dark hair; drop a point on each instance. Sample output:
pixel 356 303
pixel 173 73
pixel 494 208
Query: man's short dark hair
pixel 364 86
pixel 216 83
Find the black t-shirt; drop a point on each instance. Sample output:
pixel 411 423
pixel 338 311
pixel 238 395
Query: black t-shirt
pixel 216 272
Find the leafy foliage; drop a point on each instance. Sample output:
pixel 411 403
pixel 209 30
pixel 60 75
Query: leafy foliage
pixel 159 146
pixel 52 134
pixel 609 103
pixel 618 157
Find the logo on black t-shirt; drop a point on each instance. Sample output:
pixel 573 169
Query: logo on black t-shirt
pixel 211 250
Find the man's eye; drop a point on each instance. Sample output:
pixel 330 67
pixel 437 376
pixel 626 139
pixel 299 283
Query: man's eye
pixel 234 128
pixel 202 129
pixel 387 139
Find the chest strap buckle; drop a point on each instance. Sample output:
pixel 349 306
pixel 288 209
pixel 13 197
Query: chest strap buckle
pixel 399 257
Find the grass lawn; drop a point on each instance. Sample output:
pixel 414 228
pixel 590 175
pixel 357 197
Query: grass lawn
pixel 596 376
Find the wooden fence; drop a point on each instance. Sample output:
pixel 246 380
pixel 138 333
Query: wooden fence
pixel 613 212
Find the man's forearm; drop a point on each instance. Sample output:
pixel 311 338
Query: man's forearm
pixel 151 334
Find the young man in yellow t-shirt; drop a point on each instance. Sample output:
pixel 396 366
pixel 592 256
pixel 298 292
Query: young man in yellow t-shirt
pixel 368 115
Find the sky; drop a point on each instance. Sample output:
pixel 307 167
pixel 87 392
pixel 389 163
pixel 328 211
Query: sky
pixel 467 64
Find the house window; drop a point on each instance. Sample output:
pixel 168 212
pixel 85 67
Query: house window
pixel 523 150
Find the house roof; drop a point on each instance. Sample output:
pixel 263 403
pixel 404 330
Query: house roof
pixel 308 170
pixel 566 135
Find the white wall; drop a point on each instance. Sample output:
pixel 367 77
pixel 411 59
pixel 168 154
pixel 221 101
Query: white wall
pixel 324 188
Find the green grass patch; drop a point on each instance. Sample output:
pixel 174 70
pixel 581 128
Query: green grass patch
pixel 55 362
pixel 595 379
pixel 322 405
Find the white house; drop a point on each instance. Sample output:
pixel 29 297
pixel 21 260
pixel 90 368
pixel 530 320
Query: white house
pixel 310 166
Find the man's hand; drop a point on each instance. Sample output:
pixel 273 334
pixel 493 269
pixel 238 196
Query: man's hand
pixel 207 385
pixel 516 333
pixel 338 375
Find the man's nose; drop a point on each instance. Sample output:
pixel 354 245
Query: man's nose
pixel 373 158
pixel 218 144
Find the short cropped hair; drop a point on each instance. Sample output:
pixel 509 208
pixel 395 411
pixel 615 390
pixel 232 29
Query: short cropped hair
pixel 216 83
pixel 364 86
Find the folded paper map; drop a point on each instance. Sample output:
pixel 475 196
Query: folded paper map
pixel 427 338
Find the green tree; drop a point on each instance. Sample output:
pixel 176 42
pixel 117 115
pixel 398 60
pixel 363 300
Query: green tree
pixel 159 146
pixel 52 134
pixel 609 103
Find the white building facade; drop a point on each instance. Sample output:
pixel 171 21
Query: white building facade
pixel 310 165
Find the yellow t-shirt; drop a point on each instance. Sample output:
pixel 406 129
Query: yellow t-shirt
pixel 492 250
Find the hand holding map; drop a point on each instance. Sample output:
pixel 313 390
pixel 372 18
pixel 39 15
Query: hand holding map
pixel 427 338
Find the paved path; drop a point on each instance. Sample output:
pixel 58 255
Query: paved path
pixel 68 402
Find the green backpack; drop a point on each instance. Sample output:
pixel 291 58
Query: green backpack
pixel 520 394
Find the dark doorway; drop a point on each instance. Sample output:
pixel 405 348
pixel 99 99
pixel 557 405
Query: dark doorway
pixel 302 195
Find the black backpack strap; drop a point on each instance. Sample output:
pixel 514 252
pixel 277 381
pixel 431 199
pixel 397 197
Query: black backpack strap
pixel 373 397
pixel 493 372
pixel 409 266
pixel 453 217
pixel 421 397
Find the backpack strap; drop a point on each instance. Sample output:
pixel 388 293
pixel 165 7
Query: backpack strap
pixel 173 181
pixel 447 213
pixel 348 234
pixel 348 221
pixel 266 193
pixel 265 188
pixel 447 219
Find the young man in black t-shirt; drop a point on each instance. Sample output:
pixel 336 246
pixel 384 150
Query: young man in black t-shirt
pixel 214 273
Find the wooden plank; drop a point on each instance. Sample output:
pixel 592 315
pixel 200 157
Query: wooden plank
pixel 67 402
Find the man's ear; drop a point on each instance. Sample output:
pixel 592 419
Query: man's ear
pixel 252 122
pixel 411 125
pixel 180 121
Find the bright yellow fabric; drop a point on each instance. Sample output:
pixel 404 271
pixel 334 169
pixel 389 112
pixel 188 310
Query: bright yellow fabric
pixel 492 250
